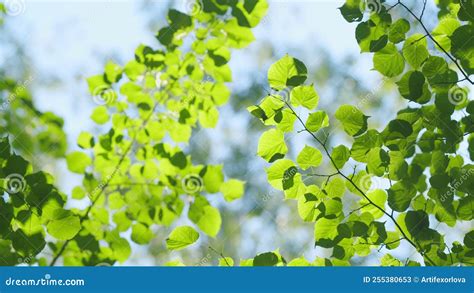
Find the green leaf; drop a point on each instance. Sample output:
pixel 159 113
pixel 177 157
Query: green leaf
pixel 113 72
pixel 78 192
pixel 398 30
pixel 232 189
pixel 465 10
pixel 100 115
pixel 377 196
pixel 179 20
pixel 210 221
pixel 400 196
pixel 27 245
pixel 352 119
pixel 64 225
pixel 85 140
pixel 141 234
pixel 325 230
pixel 16 165
pixel 335 187
pixel 299 262
pixel 97 84
pixel 444 30
pixel 121 248
pixel 77 162
pixel 4 148
pixel 265 259
pixel 364 144
pixel 238 36
pixel 340 155
pixel 433 66
pixel 213 178
pixel 316 121
pixel 287 121
pixel 287 71
pixel 389 61
pixel 351 10
pixel 226 262
pixel 377 161
pixel 465 210
pixel 181 237
pixel 469 239
pixel 389 261
pixel 309 157
pixel 250 13
pixel 371 35
pixel 271 145
pixel 413 87
pixel 280 170
pixel 416 222
pixel 462 45
pixel 415 50
pixel 304 95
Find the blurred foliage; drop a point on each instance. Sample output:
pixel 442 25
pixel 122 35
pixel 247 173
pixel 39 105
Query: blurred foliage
pixel 34 133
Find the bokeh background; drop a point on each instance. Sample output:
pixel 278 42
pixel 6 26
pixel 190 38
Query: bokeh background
pixel 55 45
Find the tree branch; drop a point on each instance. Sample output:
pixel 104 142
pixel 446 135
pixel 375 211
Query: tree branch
pixel 436 42
pixel 357 187
pixel 107 182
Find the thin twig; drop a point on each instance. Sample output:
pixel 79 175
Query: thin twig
pixel 436 42
pixel 424 7
pixel 220 254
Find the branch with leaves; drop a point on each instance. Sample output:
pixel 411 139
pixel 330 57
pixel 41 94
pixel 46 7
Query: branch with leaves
pixel 384 155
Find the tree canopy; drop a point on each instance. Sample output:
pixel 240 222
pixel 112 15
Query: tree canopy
pixel 139 175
